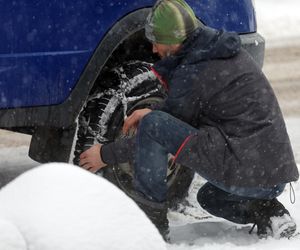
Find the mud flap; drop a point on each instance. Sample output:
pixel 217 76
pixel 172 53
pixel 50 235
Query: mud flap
pixel 49 144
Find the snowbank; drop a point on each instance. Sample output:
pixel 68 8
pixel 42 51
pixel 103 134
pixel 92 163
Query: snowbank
pixel 62 207
pixel 10 237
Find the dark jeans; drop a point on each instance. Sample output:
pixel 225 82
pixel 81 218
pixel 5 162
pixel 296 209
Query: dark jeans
pixel 229 206
pixel 159 134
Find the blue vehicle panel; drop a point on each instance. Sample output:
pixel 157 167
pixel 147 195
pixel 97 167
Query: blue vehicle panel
pixel 230 15
pixel 45 45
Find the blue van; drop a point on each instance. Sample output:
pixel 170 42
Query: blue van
pixel 67 68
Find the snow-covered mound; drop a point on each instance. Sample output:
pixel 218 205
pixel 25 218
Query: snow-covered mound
pixel 62 207
pixel 10 237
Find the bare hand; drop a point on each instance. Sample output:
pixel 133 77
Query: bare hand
pixel 133 120
pixel 91 159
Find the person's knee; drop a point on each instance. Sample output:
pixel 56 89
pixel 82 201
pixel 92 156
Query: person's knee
pixel 151 121
pixel 153 117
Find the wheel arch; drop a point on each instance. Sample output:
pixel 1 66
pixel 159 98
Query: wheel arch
pixel 56 128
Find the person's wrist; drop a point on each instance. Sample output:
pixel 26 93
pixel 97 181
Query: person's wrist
pixel 101 154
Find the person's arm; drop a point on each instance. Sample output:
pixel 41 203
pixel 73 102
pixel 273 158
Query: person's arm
pixel 119 151
pixel 99 156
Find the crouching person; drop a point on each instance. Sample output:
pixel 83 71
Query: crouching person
pixel 221 118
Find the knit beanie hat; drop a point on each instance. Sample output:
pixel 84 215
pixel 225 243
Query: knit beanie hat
pixel 170 22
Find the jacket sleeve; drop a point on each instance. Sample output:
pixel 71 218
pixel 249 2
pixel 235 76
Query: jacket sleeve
pixel 119 151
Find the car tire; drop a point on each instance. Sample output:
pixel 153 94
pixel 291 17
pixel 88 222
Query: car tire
pixel 101 120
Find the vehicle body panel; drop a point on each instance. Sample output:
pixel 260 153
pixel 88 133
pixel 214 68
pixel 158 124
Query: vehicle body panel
pixel 46 45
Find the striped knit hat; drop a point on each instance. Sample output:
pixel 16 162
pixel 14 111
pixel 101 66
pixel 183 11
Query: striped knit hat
pixel 170 22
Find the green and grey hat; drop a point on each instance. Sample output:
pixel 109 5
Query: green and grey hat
pixel 170 22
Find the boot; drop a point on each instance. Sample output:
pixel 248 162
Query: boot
pixel 271 219
pixel 155 211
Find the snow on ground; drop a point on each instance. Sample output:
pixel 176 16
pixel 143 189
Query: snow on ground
pixel 14 160
pixel 63 207
pixel 278 21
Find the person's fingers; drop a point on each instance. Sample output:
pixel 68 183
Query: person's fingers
pixel 125 125
pixel 90 169
pixel 134 130
pixel 89 166
pixel 83 162
pixel 94 169
pixel 83 155
pixel 128 123
pixel 133 120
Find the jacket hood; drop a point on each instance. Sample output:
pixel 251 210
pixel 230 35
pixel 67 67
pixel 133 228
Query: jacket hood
pixel 207 44
pixel 203 45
